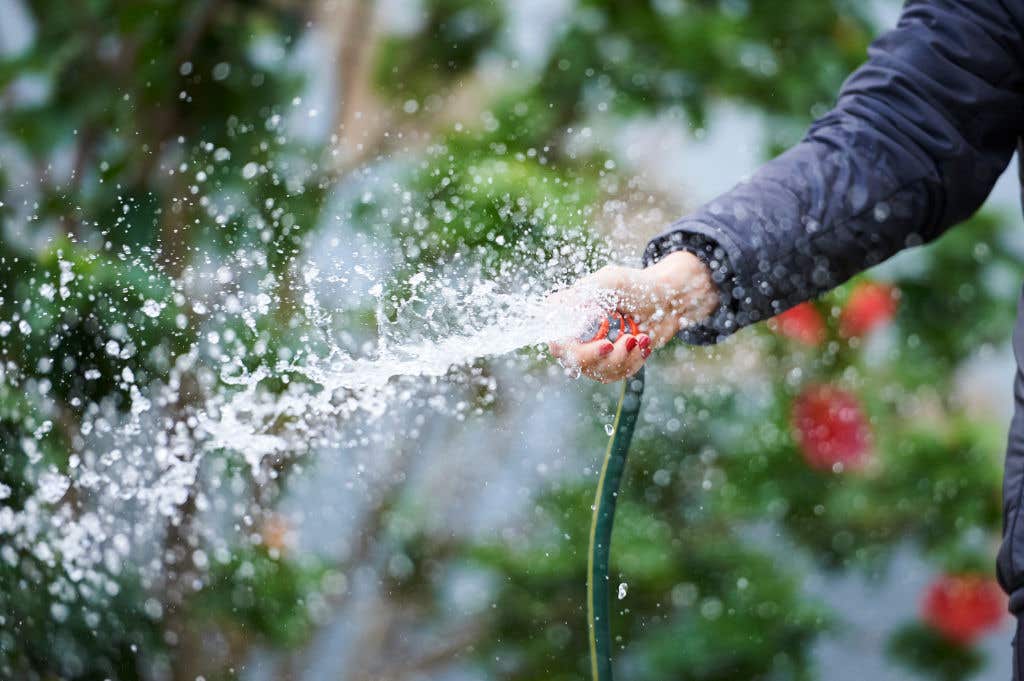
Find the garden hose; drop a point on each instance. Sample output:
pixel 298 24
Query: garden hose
pixel 598 579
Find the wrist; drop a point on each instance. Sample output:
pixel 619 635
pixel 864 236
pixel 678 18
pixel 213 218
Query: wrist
pixel 685 286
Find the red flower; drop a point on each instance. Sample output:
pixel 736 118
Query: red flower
pixel 870 306
pixel 831 428
pixel 802 323
pixel 963 607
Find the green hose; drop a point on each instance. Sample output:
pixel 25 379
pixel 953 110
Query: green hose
pixel 598 580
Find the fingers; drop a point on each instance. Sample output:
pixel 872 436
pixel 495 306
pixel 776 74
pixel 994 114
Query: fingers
pixel 616 364
pixel 645 344
pixel 608 362
pixel 580 355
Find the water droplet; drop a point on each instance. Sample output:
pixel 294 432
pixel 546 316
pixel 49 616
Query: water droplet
pixel 622 590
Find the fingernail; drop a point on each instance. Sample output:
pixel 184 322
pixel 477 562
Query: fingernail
pixel 644 342
pixel 630 344
pixel 605 349
pixel 645 352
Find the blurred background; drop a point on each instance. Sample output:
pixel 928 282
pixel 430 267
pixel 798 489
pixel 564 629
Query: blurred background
pixel 816 498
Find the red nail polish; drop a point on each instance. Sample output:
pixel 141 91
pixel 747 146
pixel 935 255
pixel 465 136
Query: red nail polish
pixel 630 344
pixel 644 342
pixel 605 349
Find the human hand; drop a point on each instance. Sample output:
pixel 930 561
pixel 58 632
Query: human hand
pixel 672 294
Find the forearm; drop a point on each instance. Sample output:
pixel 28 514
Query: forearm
pixel 804 223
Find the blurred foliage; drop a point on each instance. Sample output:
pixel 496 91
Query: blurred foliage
pixel 138 105
pixel 165 126
pixel 637 57
pixel 701 603
pixel 459 31
pixel 46 629
pixel 266 592
pixel 956 315
pixel 921 649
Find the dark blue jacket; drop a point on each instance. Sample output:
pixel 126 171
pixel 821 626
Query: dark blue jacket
pixel 918 137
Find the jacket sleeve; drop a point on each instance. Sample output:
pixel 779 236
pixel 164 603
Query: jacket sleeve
pixel 917 138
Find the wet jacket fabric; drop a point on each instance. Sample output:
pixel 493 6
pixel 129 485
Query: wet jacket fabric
pixel 917 139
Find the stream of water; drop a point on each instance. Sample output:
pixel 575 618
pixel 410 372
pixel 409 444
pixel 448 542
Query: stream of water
pixel 136 472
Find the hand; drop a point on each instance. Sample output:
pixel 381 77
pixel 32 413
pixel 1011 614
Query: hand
pixel 670 295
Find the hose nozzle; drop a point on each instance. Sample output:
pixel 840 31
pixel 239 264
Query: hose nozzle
pixel 611 327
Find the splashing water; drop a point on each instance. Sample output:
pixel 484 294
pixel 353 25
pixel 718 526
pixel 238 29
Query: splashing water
pixel 167 395
pixel 346 385
pixel 135 473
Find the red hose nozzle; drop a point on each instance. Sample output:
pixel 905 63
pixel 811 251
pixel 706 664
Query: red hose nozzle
pixel 611 327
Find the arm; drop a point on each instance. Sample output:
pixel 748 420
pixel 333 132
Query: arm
pixel 919 135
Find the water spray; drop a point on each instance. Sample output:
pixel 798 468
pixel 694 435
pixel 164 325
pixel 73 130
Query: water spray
pixel 598 579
